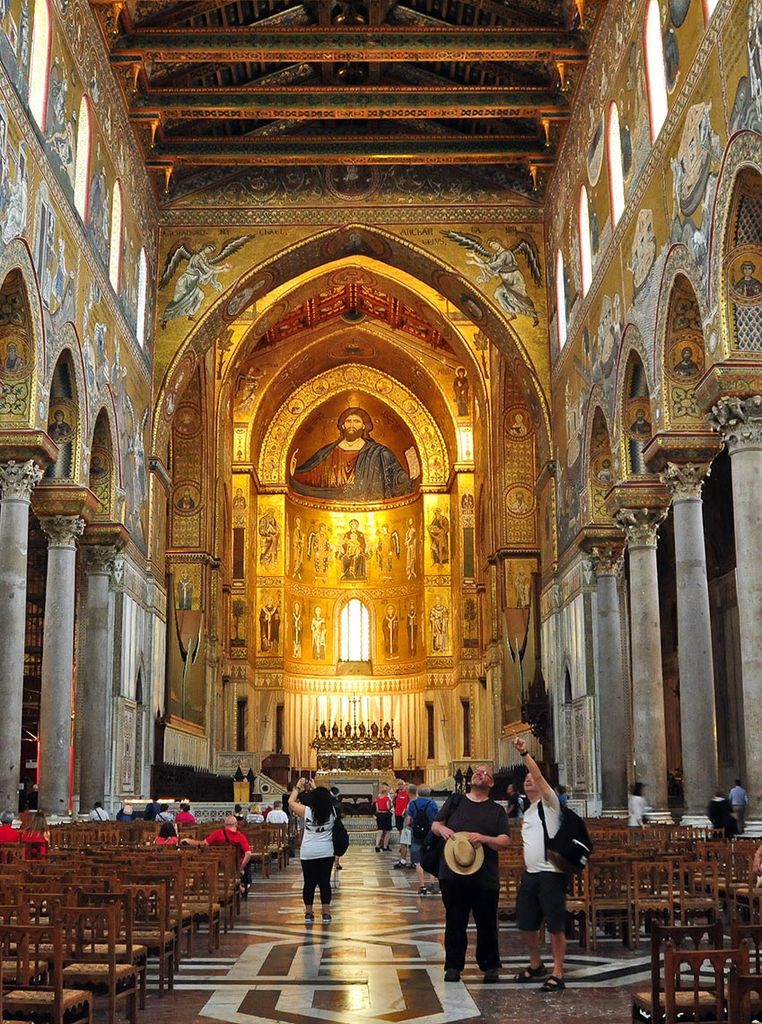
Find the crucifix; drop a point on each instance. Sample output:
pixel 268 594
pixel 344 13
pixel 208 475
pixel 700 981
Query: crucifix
pixel 354 701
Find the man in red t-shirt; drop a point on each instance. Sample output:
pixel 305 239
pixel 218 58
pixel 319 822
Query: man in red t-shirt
pixel 8 834
pixel 227 834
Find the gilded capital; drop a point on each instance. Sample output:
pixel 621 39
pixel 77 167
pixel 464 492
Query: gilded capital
pixel 62 531
pixel 685 480
pixel 739 420
pixel 640 525
pixel 607 559
pixel 18 480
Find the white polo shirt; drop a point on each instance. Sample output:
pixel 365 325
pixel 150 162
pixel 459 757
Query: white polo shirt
pixel 533 837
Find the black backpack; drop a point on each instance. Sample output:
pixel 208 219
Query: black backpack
pixel 421 822
pixel 571 847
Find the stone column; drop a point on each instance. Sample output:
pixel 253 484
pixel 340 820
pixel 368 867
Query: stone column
pixel 612 698
pixel 698 720
pixel 640 526
pixel 58 661
pixel 17 481
pixel 96 660
pixel 740 423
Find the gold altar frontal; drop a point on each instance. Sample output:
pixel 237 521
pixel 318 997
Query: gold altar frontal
pixel 355 750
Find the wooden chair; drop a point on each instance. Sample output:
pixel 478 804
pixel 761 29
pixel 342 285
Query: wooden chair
pixel 698 892
pixel 648 1004
pixel 91 959
pixel 695 980
pixel 653 893
pixel 28 945
pixel 122 901
pixel 200 900
pixel 610 895
pixel 578 907
pixel 744 998
pixel 152 928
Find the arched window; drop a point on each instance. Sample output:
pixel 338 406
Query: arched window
pixel 39 64
pixel 560 299
pixel 355 631
pixel 115 245
pixel 82 159
pixel 616 178
pixel 585 255
pixel 140 322
pixel 656 79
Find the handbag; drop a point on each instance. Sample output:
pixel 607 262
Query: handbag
pixel 340 838
pixel 406 836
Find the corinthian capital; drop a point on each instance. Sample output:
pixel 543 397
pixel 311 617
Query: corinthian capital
pixel 607 559
pixel 640 525
pixel 739 420
pixel 19 479
pixel 100 558
pixel 62 531
pixel 685 481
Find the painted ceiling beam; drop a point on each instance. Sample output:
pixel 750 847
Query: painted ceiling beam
pixel 242 45
pixel 310 102
pixel 268 152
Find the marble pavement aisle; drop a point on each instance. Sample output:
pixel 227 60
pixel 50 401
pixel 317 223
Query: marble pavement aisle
pixel 379 960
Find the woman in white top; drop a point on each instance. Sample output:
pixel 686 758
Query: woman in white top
pixel 637 807
pixel 316 851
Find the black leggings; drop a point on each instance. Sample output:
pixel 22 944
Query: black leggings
pixel 317 873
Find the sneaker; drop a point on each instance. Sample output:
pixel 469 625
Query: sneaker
pixel 451 974
pixel 327 918
pixel 491 977
pixel 399 864
pixel 309 917
pixel 423 891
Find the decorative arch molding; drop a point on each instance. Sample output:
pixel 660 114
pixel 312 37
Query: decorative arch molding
pixel 632 345
pixel 325 246
pixel 676 395
pixel 272 467
pixel 743 151
pixel 16 256
pixel 66 414
pixel 598 478
pixel 104 463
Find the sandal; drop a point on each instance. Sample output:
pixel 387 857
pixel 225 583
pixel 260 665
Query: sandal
pixel 553 984
pixel 531 974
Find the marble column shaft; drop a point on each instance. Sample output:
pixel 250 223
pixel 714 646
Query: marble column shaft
pixel 17 481
pixel 94 679
pixel 58 661
pixel 740 423
pixel 698 721
pixel 612 702
pixel 650 743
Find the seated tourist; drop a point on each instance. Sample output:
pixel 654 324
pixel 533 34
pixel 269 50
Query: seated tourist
pixel 184 816
pixel 167 834
pixel 277 816
pixel 255 816
pixel 125 813
pixel 98 813
pixel 230 835
pixel 8 834
pixel 238 814
pixel 164 813
pixel 36 837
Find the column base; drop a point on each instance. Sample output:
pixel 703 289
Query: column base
pixel 696 821
pixel 661 818
pixel 752 827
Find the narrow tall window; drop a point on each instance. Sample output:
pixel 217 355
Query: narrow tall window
pixel 241 723
pixel 466 707
pixel 429 732
pixel 280 716
pixel 39 64
pixel 140 321
pixel 82 160
pixel 616 177
pixel 355 631
pixel 560 299
pixel 115 246
pixel 585 255
pixel 656 79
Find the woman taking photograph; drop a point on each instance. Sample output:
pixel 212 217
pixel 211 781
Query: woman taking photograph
pixel 316 851
pixel 383 805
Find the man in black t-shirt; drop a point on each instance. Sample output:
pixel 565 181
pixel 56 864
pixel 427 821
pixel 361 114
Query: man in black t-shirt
pixel 473 892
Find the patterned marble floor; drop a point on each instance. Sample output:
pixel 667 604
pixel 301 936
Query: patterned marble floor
pixel 379 960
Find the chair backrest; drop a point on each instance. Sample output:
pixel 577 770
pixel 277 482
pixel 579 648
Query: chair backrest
pixel 122 903
pixel 751 936
pixel 23 948
pixel 89 934
pixel 610 880
pixel 744 997
pixel 694 936
pixel 695 972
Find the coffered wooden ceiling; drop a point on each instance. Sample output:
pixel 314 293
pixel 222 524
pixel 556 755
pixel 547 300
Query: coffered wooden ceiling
pixel 231 83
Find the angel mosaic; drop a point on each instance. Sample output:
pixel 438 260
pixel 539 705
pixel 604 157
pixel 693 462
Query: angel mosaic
pixel 203 268
pixel 498 261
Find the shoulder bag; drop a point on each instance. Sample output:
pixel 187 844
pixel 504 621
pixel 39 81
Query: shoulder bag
pixel 433 845
pixel 340 837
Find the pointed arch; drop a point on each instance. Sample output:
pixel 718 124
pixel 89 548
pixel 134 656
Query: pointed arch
pixel 742 264
pixel 64 421
pixel 82 158
pixel 354 631
pixel 601 465
pixel 18 356
pixel 39 62
pixel 636 417
pixel 656 76
pixel 103 472
pixel 614 155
